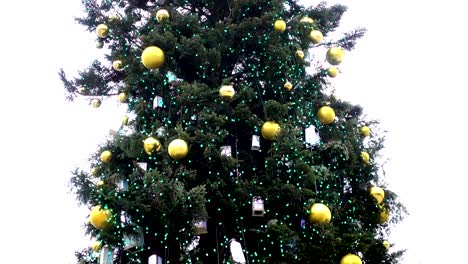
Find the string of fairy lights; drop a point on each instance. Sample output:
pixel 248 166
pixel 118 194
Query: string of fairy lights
pixel 288 84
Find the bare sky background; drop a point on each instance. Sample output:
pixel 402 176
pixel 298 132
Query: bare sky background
pixel 408 72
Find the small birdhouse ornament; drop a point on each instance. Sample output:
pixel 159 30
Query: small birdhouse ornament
pixel 155 259
pixel 258 208
pixel 107 256
pixel 226 151
pixel 200 227
pixel 255 142
pixel 312 136
pixel 236 252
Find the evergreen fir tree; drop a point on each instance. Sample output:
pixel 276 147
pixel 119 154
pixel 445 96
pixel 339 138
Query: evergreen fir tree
pixel 234 138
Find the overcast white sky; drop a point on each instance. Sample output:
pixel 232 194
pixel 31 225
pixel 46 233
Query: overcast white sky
pixel 408 71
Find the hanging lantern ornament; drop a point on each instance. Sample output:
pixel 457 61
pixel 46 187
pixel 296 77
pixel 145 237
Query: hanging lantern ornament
pixel 270 130
pixel 152 57
pixel 378 193
pixel 307 19
pixel 351 259
pixel 316 36
pixel 300 54
pixel 106 156
pixel 386 244
pixel 332 72
pixel 288 86
pixel 178 149
pixel 117 65
pixel 151 145
pixel 365 131
pixel 96 103
pixel 320 214
pixel 326 115
pixel 280 25
pixel 162 15
pixel 100 218
pixel 102 31
pixel 365 157
pixel 227 91
pixel 335 55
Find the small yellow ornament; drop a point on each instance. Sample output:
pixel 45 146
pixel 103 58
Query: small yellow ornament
pixel 316 36
pixel 307 19
pixel 151 145
pixel 162 15
pixel 288 86
pixel 270 130
pixel 106 156
pixel 102 31
pixel 332 72
pixel 326 115
pixel 378 193
pixel 152 57
pixel 280 25
pixel 386 244
pixel 320 214
pixel 117 65
pixel 365 131
pixel 95 172
pixel 113 17
pixel 96 103
pixel 365 157
pixel 125 120
pixel 384 215
pixel 178 149
pixel 123 97
pixel 335 55
pixel 96 246
pixel 227 91
pixel 99 44
pixel 100 183
pixel 300 54
pixel 100 218
pixel 351 259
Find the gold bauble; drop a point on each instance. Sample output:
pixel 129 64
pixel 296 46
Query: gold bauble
pixel 386 244
pixel 162 15
pixel 270 130
pixel 316 36
pixel 95 172
pixel 365 157
pixel 300 54
pixel 96 246
pixel 351 259
pixel 96 103
pixel 378 193
pixel 288 86
pixel 365 131
pixel 152 57
pixel 335 55
pixel 123 97
pixel 106 156
pixel 227 91
pixel 117 65
pixel 280 25
pixel 125 120
pixel 178 149
pixel 307 19
pixel 320 214
pixel 151 145
pixel 332 72
pixel 384 215
pixel 113 16
pixel 102 31
pixel 326 115
pixel 100 218
pixel 100 183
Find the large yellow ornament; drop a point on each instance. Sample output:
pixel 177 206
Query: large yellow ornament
pixel 365 157
pixel 332 72
pixel 316 36
pixel 365 131
pixel 386 244
pixel 151 145
pixel 123 97
pixel 102 31
pixel 162 15
pixel 106 156
pixel 335 55
pixel 96 246
pixel 280 25
pixel 320 214
pixel 307 19
pixel 351 259
pixel 384 215
pixel 117 65
pixel 178 149
pixel 288 86
pixel 270 130
pixel 152 57
pixel 300 54
pixel 326 115
pixel 100 218
pixel 378 193
pixel 227 91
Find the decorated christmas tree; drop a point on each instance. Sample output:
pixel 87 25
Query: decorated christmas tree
pixel 234 149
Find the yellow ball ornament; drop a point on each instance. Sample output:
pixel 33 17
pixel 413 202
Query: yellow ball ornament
pixel 113 17
pixel 178 149
pixel 365 157
pixel 151 145
pixel 351 259
pixel 365 131
pixel 300 54
pixel 96 246
pixel 102 31
pixel 123 97
pixel 125 120
pixel 320 214
pixel 386 244
pixel 288 86
pixel 280 25
pixel 117 65
pixel 307 19
pixel 95 172
pixel 335 55
pixel 96 103
pixel 162 15
pixel 100 218
pixel 378 193
pixel 384 215
pixel 270 130
pixel 100 183
pixel 152 57
pixel 227 91
pixel 332 72
pixel 326 115
pixel 316 36
pixel 106 156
